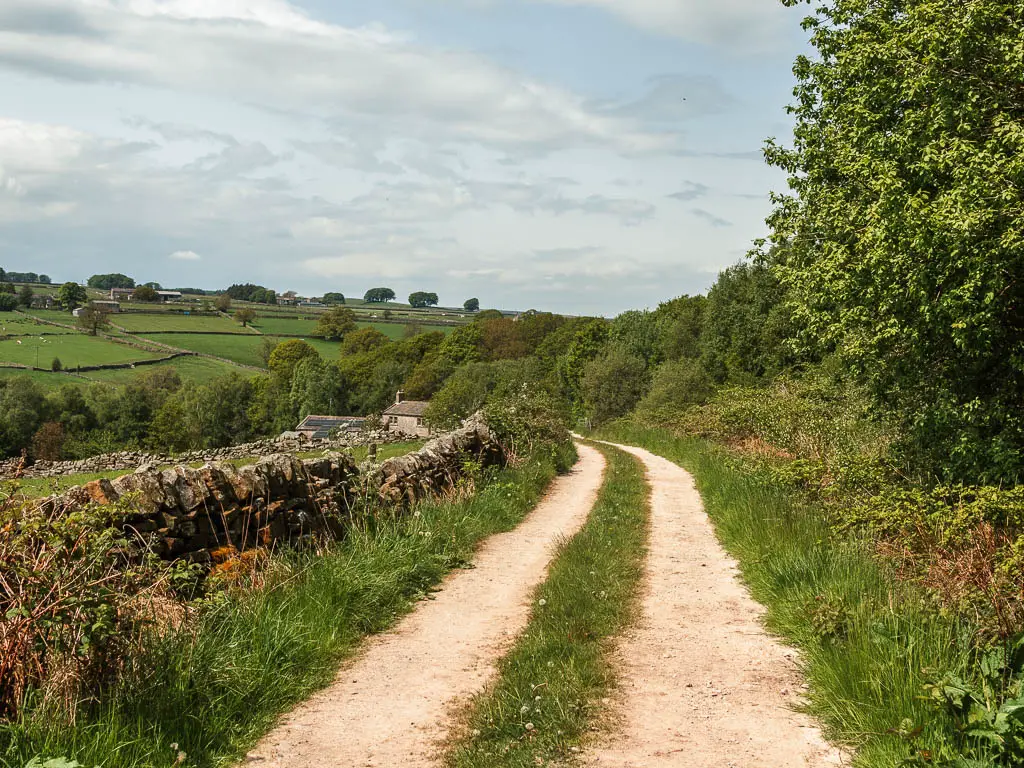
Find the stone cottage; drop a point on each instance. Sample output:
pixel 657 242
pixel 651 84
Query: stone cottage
pixel 406 416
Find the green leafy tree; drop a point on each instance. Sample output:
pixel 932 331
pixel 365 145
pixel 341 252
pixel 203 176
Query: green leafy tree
pixel 334 298
pixel 613 384
pixel 363 340
pixel 8 288
pixel 336 323
pixel 287 355
pixel 903 235
pixel 93 319
pixel 145 293
pixel 222 303
pixel 8 302
pixel 25 296
pixel 681 324
pixel 747 326
pixel 114 280
pixel 71 296
pixel 318 388
pixel 472 305
pixel 245 316
pixel 379 296
pixel 637 333
pixel 420 299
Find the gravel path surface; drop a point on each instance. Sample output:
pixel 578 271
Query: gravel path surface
pixel 393 705
pixel 702 684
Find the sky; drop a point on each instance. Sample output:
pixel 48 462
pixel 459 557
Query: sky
pixel 579 156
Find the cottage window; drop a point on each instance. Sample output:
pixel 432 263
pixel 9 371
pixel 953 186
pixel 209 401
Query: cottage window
pixel 394 419
pixel 419 422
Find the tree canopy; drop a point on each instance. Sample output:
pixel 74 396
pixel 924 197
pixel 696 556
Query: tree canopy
pixel 335 323
pixel 334 298
pixel 471 305
pixel 71 296
pixel 421 299
pixel 902 241
pixel 113 280
pixel 145 293
pixel 379 296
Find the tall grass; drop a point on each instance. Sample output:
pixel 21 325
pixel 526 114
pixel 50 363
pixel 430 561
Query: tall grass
pixel 210 689
pixel 543 701
pixel 868 640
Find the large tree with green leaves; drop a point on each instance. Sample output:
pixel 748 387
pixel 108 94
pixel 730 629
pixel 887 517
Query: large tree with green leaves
pixel 904 228
pixel 71 296
pixel 335 323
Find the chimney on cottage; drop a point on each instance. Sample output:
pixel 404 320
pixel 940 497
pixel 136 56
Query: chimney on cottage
pixel 399 397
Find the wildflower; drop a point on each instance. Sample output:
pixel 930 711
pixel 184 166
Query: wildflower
pixel 542 602
pixel 530 727
pixel 524 709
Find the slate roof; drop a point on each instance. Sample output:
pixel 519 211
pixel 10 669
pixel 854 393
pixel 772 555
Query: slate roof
pixel 407 408
pixel 324 425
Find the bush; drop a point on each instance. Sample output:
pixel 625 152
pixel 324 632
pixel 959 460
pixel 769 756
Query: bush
pixel 56 366
pixel 528 421
pixel 677 386
pixel 69 604
pixel 613 384
pixel 8 302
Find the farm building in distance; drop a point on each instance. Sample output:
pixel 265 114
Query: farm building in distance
pixel 406 416
pixel 320 427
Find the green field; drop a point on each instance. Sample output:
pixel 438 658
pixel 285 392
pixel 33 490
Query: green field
pixel 17 325
pixel 239 349
pixel 43 378
pixel 289 326
pixel 197 369
pixel 72 349
pixel 143 323
pixel 53 315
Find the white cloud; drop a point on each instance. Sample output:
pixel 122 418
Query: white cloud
pixel 276 57
pixel 753 25
pixel 185 256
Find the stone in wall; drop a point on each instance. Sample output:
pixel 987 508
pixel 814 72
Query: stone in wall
pixel 184 513
pixel 439 465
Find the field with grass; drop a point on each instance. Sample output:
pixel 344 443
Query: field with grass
pixel 12 324
pixel 137 322
pixel 198 369
pixel 239 349
pixel 45 379
pixel 72 349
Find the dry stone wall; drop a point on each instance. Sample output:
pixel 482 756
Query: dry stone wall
pixel 189 514
pixel 129 460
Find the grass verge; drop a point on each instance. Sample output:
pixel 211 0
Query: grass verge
pixel 542 702
pixel 214 686
pixel 867 639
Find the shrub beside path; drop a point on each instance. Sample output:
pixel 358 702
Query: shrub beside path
pixel 702 684
pixel 394 704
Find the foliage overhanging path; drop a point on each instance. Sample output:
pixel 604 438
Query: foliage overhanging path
pixel 394 703
pixel 702 683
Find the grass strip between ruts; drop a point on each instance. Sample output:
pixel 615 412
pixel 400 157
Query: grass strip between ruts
pixel 212 689
pixel 543 701
pixel 867 639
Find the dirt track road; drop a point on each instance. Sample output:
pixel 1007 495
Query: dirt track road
pixel 702 684
pixel 392 705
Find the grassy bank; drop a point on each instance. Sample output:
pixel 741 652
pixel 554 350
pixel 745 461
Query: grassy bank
pixel 541 705
pixel 213 686
pixel 870 642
